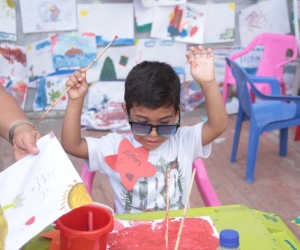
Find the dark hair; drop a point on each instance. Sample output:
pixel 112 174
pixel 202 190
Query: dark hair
pixel 152 85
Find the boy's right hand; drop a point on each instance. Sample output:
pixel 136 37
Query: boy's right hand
pixel 78 84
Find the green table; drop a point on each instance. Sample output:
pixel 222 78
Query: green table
pixel 258 230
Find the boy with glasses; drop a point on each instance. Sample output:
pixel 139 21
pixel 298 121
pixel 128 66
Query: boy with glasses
pixel 152 98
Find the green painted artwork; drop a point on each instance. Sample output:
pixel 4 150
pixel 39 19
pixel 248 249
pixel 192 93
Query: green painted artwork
pixel 108 72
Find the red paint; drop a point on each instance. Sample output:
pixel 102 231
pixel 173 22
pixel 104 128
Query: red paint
pixel 196 234
pixel 116 37
pixel 193 31
pixel 14 54
pixel 131 163
pixel 30 221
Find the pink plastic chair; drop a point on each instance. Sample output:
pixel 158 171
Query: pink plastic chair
pixel 272 61
pixel 204 186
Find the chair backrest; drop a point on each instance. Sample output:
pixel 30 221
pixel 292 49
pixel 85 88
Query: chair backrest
pixel 242 87
pixel 275 51
pixel 204 186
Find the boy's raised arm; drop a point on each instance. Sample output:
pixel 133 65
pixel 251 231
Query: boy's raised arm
pixel 71 131
pixel 202 70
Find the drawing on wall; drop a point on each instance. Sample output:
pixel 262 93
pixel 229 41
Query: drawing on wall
pixel 36 53
pixel 16 88
pixel 143 16
pixel 167 51
pixel 114 64
pixel 104 106
pixel 182 23
pixel 49 89
pixel 219 23
pixel 45 16
pixel 8 30
pixel 44 183
pixel 107 21
pixel 73 50
pixel 263 17
pixel 13 61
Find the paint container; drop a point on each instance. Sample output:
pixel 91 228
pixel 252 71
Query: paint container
pixel 73 226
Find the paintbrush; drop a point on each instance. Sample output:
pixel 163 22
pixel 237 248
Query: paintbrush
pixel 86 69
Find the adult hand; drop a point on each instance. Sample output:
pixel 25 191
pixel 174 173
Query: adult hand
pixel 24 141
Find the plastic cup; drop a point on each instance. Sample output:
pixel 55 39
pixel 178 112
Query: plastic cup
pixel 73 226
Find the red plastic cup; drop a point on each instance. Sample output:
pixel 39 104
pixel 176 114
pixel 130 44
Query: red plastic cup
pixel 73 226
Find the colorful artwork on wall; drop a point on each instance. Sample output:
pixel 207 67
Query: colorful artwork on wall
pixel 151 3
pixel 114 64
pixel 8 28
pixel 49 89
pixel 263 17
pixel 219 23
pixel 45 16
pixel 143 16
pixel 182 23
pixel 107 21
pixel 16 88
pixel 13 61
pixel 73 50
pixel 36 53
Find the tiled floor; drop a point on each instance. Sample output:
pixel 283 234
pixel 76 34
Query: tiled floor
pixel 277 179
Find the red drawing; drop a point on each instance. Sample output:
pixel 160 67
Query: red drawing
pixel 30 221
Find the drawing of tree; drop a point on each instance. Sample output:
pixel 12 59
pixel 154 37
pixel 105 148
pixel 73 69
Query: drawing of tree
pixel 108 72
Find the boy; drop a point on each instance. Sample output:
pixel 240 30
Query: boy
pixel 152 97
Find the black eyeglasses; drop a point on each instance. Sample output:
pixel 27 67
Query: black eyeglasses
pixel 144 129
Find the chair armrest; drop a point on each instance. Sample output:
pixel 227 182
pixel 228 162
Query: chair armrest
pixel 285 62
pixel 272 81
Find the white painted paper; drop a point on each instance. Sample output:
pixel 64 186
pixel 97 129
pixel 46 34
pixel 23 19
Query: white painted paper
pixel 44 187
pixel 114 64
pixel 182 23
pixel 151 3
pixel 45 16
pixel 265 16
pixel 107 21
pixel 39 59
pixel 8 30
pixel 219 23
pixel 143 16
pixel 167 51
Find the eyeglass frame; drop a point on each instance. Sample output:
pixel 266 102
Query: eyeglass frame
pixel 154 126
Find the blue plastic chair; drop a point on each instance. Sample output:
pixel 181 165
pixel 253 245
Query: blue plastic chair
pixel 274 112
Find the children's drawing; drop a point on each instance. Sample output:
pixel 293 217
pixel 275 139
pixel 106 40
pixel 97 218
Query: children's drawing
pixel 8 28
pixel 73 50
pixel 167 51
pixel 46 187
pixel 143 16
pixel 107 21
pixel 141 234
pixel 104 106
pixel 191 96
pixel 36 53
pixel 13 61
pixel 263 17
pixel 44 16
pixel 219 23
pixel 49 89
pixel 114 64
pixel 16 88
pixel 183 23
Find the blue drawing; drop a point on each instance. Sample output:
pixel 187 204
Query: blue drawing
pixel 71 50
pixel 41 98
pixel 119 41
pixel 49 12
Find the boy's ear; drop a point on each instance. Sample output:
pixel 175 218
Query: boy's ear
pixel 123 104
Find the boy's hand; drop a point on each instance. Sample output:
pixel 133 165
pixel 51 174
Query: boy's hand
pixel 78 84
pixel 202 65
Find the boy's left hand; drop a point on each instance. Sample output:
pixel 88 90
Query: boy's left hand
pixel 202 65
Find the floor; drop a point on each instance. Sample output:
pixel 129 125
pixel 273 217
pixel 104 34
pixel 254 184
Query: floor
pixel 276 188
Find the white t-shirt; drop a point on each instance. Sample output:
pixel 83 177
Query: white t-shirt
pixel 149 194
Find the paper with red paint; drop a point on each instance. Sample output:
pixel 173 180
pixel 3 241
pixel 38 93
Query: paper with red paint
pixel 182 23
pixel 44 187
pixel 197 233
pixel 131 163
